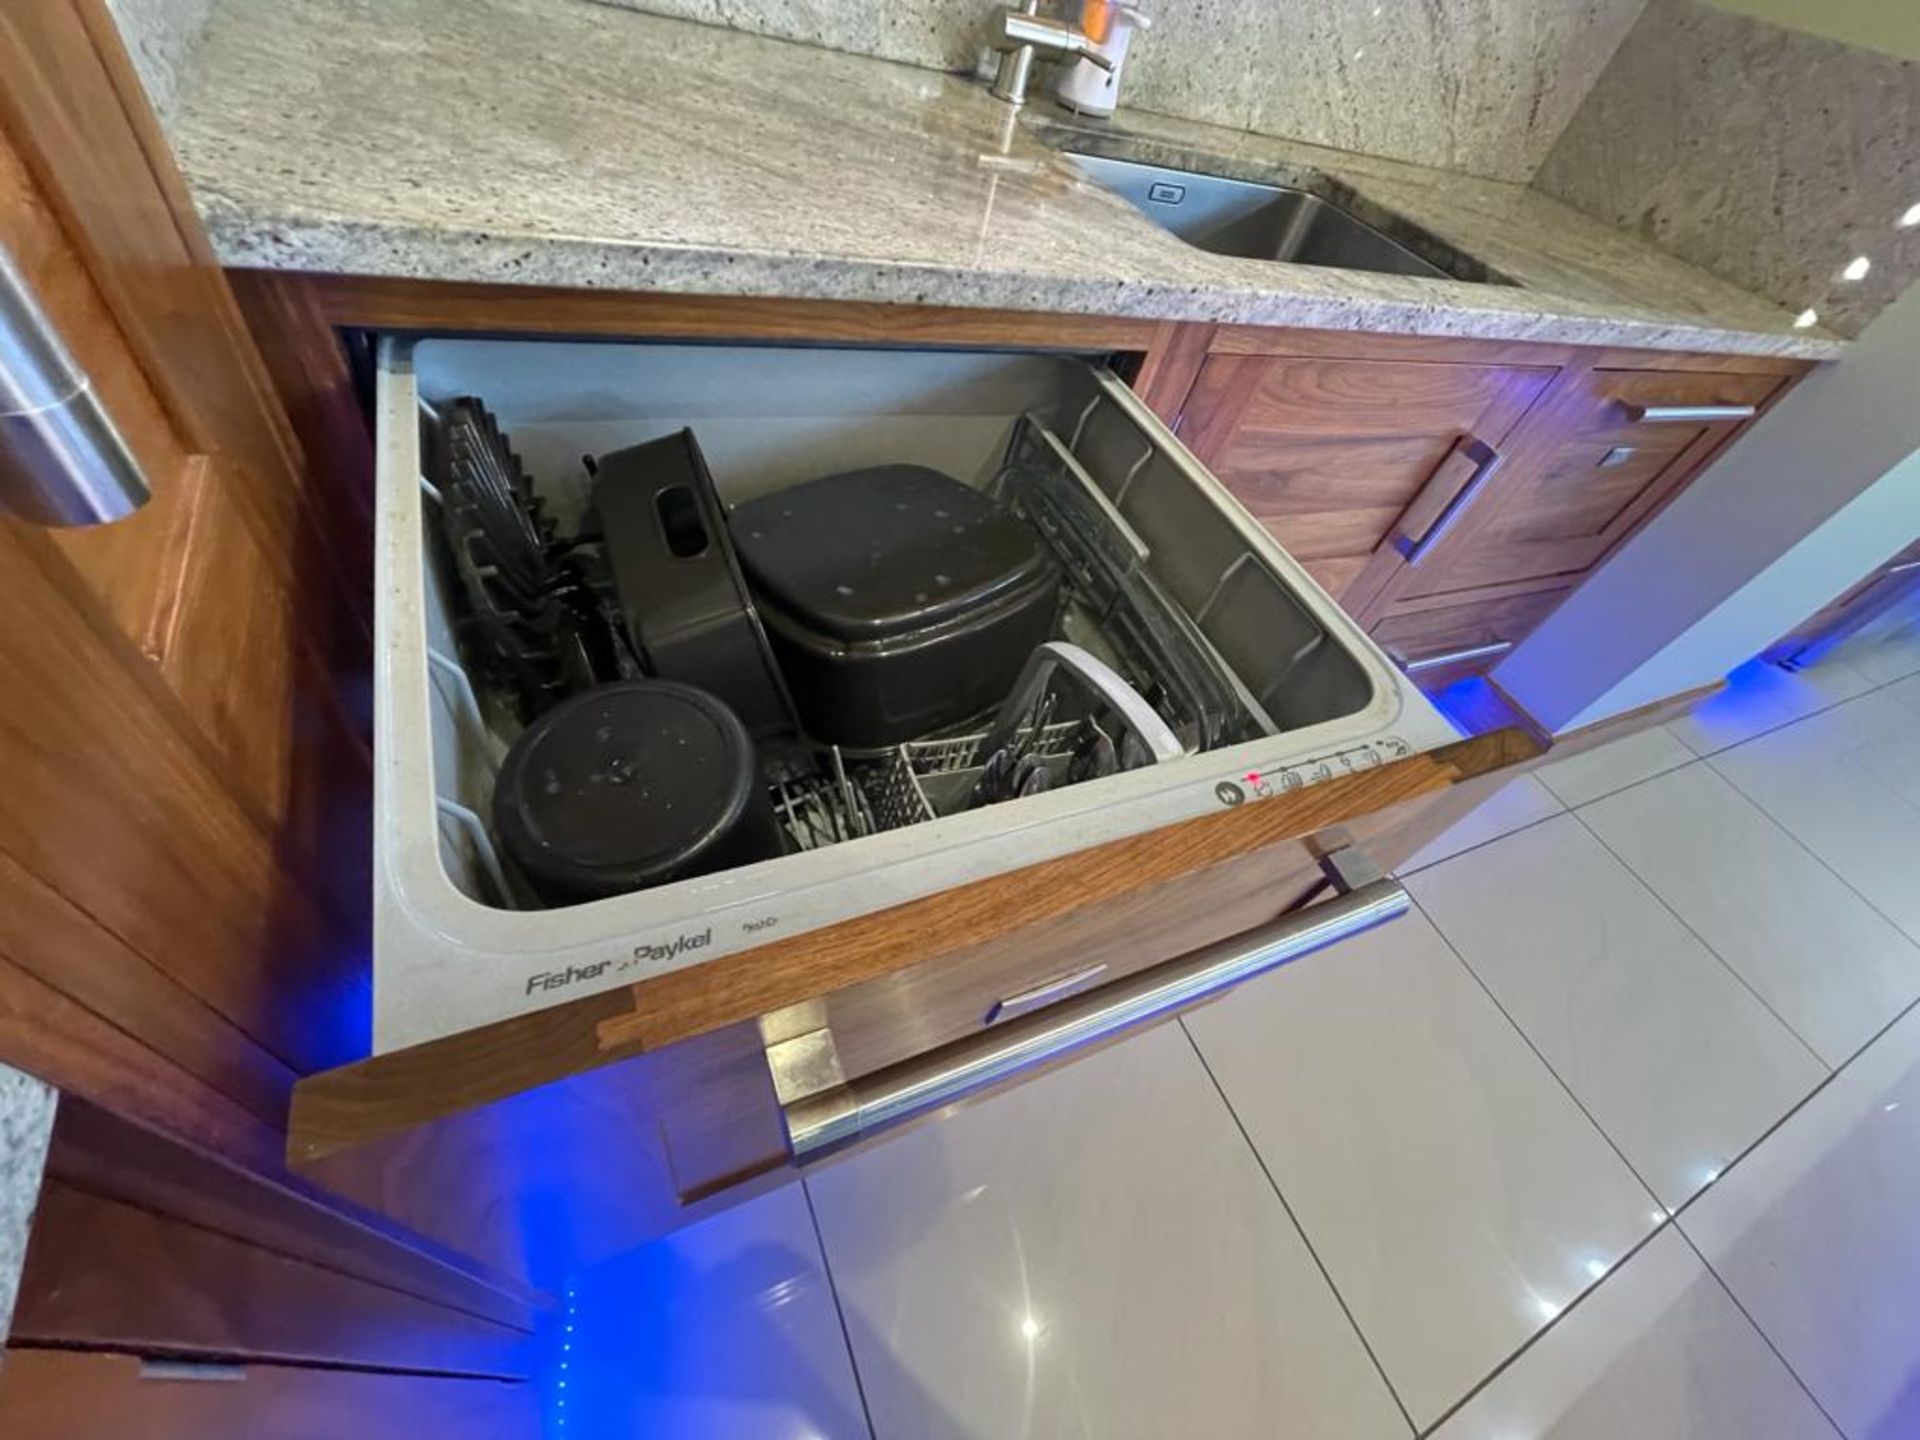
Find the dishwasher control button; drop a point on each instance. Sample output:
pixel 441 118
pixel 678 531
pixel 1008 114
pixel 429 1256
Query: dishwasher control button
pixel 1228 793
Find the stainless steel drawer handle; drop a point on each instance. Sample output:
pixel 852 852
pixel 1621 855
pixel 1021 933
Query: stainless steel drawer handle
pixel 1486 461
pixel 847 1111
pixel 62 460
pixel 1045 993
pixel 1455 657
pixel 1689 414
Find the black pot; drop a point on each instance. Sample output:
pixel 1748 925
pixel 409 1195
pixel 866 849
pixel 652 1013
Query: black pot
pixel 630 785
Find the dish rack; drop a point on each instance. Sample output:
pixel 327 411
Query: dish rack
pixel 1154 668
pixel 909 785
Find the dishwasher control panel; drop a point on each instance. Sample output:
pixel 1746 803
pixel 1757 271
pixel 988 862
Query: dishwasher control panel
pixel 1254 784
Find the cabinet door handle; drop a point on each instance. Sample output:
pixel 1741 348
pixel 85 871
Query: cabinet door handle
pixel 1454 657
pixel 1486 460
pixel 62 461
pixel 847 1111
pixel 1689 414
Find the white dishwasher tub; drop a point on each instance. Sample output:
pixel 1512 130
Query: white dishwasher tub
pixel 448 957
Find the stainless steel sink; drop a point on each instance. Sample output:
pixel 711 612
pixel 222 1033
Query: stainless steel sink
pixel 1275 222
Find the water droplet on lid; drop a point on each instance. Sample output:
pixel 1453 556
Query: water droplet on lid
pixel 843 589
pixel 942 580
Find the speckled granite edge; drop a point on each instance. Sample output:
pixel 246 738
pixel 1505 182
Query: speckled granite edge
pixel 26 1129
pixel 246 240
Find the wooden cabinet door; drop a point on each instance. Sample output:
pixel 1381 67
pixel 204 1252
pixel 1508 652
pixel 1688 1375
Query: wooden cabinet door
pixel 1349 461
pixel 88 1395
pixel 1595 462
pixel 182 838
pixel 1438 642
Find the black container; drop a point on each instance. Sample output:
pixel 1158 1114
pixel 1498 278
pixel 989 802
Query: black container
pixel 899 600
pixel 685 600
pixel 630 785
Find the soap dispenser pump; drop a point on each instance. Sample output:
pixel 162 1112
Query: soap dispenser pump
pixel 1085 86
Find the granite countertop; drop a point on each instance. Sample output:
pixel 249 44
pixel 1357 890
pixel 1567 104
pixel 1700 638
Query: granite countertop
pixel 26 1131
pixel 555 142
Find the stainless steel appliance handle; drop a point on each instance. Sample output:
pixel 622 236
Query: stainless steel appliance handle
pixel 1454 657
pixel 851 1109
pixel 1689 414
pixel 1486 460
pixel 62 460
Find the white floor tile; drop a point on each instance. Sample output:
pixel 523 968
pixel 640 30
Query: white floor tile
pixel 725 1330
pixel 1672 1056
pixel 1847 784
pixel 1759 698
pixel 1457 1197
pixel 1828 963
pixel 1094 1253
pixel 1585 777
pixel 1520 802
pixel 1906 691
pixel 1815 1235
pixel 1657 1350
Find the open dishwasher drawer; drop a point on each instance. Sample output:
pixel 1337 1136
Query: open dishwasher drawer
pixel 1302 693
pixel 717 1023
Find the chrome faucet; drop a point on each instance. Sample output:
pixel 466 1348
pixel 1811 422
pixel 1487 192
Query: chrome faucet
pixel 1020 34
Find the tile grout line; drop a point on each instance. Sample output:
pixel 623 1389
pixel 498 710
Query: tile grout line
pixel 1765 1339
pixel 839 1310
pixel 1680 1211
pixel 1691 760
pixel 1674 1216
pixel 1778 824
pixel 1299 1229
pixel 1491 839
pixel 1497 1371
pixel 1694 757
pixel 1547 1064
pixel 1673 1213
pixel 1872 686
pixel 1704 943
pixel 1579 1104
pixel 1793 835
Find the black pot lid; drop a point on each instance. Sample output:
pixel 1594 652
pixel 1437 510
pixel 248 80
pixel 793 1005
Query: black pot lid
pixel 870 554
pixel 623 785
